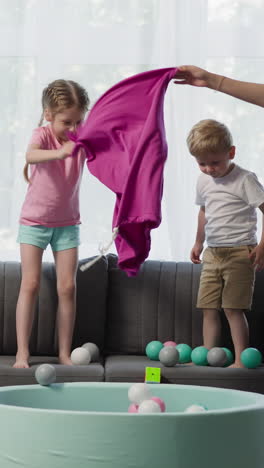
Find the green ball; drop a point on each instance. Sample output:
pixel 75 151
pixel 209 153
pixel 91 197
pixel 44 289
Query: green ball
pixel 230 357
pixel 199 356
pixel 251 358
pixel 185 352
pixel 153 349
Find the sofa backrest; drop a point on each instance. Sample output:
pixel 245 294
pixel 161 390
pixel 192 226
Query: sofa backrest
pixel 160 304
pixel 157 304
pixel 91 307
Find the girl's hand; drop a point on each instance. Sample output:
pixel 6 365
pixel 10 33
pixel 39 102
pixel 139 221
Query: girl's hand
pixel 195 253
pixel 66 149
pixel 191 75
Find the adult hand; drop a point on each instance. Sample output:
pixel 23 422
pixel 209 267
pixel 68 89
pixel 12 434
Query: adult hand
pixel 195 76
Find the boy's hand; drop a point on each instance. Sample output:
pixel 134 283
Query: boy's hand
pixel 66 149
pixel 195 253
pixel 257 257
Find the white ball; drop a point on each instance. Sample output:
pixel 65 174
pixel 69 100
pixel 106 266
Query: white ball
pixel 138 393
pixel 80 356
pixel 149 406
pixel 45 374
pixel 93 350
pixel 195 409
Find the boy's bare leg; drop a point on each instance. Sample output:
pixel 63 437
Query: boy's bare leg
pixel 211 328
pixel 239 332
pixel 66 267
pixel 31 257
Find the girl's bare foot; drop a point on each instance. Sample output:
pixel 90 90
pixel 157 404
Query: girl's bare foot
pixel 65 360
pixel 21 362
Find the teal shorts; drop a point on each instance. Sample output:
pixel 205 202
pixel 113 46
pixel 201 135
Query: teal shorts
pixel 60 238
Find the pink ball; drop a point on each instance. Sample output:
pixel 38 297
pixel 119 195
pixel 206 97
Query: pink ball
pixel 160 402
pixel 169 343
pixel 133 408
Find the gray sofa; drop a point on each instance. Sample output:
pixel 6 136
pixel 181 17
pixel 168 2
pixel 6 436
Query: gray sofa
pixel 121 315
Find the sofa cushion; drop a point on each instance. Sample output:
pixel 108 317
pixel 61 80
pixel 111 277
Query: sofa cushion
pixel 132 369
pixel 91 308
pixel 94 372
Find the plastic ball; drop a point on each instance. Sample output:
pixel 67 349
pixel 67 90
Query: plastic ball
pixel 139 392
pixel 149 406
pixel 45 374
pixel 195 409
pixel 185 352
pixel 93 350
pixel 199 356
pixel 152 350
pixel 230 357
pixel 169 356
pixel 169 343
pixel 133 408
pixel 217 357
pixel 251 358
pixel 80 356
pixel 160 402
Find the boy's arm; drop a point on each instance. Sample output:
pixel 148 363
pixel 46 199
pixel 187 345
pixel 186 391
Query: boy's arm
pixel 200 237
pixel 36 155
pixel 257 255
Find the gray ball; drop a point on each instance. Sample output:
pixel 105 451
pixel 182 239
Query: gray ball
pixel 216 357
pixel 169 356
pixel 45 374
pixel 93 350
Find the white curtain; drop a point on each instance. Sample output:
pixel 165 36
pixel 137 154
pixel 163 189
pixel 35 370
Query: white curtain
pixel 100 42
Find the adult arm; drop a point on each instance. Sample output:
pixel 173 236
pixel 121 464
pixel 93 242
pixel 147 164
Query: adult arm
pixel 195 76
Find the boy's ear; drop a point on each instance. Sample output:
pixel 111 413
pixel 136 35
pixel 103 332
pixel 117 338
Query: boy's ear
pixel 232 152
pixel 47 115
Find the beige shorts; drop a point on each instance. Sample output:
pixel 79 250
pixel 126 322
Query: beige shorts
pixel 227 278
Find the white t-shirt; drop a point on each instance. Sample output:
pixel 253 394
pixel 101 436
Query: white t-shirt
pixel 230 207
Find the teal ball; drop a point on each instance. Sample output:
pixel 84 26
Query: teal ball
pixel 230 357
pixel 185 352
pixel 153 349
pixel 251 358
pixel 199 356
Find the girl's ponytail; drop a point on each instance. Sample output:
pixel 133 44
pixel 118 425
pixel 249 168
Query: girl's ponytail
pixel 25 173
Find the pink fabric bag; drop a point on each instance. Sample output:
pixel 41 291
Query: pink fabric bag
pixel 125 143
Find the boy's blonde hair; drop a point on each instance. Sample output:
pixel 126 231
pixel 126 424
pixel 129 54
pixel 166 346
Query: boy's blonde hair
pixel 58 96
pixel 209 136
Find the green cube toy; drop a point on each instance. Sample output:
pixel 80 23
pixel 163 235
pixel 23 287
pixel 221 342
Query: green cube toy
pixel 152 374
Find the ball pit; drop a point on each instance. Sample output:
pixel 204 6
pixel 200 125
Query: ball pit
pixel 87 425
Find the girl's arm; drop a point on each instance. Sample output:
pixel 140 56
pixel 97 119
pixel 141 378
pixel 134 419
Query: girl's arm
pixel 195 76
pixel 200 237
pixel 36 155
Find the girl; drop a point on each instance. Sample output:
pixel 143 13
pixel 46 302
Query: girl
pixel 50 213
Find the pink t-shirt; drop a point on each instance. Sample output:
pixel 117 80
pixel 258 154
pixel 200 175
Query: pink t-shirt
pixel 52 198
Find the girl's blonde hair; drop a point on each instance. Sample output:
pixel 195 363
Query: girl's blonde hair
pixel 58 96
pixel 209 136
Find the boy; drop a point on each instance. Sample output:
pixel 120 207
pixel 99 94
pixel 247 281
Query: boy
pixel 228 197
